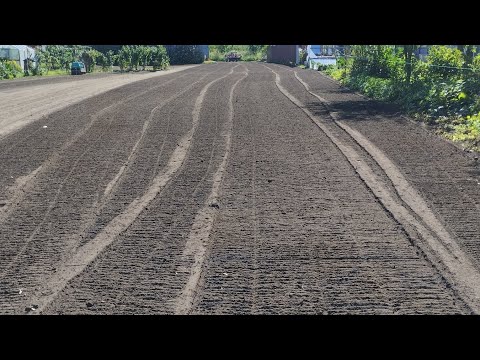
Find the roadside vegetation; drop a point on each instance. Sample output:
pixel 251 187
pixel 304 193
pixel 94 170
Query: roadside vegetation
pixel 57 59
pixel 131 57
pixel 10 69
pixel 248 52
pixel 127 58
pixel 443 90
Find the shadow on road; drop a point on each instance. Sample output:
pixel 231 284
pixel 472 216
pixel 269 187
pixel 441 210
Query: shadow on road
pixel 357 110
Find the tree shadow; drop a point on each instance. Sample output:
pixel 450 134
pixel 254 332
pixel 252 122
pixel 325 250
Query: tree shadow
pixel 358 110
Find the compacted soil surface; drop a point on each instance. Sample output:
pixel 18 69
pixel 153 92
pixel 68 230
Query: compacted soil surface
pixel 242 188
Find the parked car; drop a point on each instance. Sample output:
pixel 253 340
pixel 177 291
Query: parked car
pixel 233 56
pixel 78 68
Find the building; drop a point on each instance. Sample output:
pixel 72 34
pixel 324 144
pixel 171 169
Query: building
pixel 283 54
pixel 321 55
pixel 17 53
pixel 205 51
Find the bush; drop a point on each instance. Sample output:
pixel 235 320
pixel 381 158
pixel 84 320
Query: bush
pixel 444 90
pixel 336 73
pixel 446 99
pixel 468 130
pixel 377 60
pixel 10 69
pixel 215 55
pixel 377 88
pixel 442 60
pixel 160 59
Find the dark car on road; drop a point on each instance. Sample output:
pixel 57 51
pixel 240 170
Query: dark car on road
pixel 233 56
pixel 78 68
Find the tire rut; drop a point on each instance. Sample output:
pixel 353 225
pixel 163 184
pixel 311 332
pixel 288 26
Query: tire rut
pixel 89 251
pixel 197 242
pixel 325 244
pixel 60 227
pixel 460 270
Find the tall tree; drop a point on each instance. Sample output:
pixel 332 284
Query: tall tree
pixel 408 51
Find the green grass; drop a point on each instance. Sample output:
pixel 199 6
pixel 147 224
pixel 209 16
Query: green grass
pixel 13 78
pixel 57 72
pixel 467 131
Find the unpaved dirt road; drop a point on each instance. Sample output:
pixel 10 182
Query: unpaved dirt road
pixel 242 188
pixel 26 100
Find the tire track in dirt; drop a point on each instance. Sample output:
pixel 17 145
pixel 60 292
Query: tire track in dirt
pixel 255 230
pixel 411 198
pixel 197 242
pixel 88 252
pixel 146 263
pixel 56 156
pixel 24 114
pixel 137 273
pixel 22 184
pixel 465 276
pixel 447 178
pixel 197 190
pixel 110 106
pixel 324 244
pixel 136 176
pixel 57 236
pixel 146 125
pixel 297 229
pixel 110 188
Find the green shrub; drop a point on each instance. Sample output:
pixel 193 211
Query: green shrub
pixel 442 61
pixel 336 73
pixel 444 90
pixel 446 99
pixel 215 55
pixel 10 69
pixel 376 60
pixel 467 130
pixel 160 59
pixel 377 88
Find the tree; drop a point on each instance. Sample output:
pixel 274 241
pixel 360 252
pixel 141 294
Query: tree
pixel 89 58
pixel 136 54
pixel 145 52
pixel 159 57
pixel 110 58
pixel 124 57
pixel 468 52
pixel 408 51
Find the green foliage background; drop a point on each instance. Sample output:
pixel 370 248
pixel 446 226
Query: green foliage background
pixel 248 52
pixel 443 90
